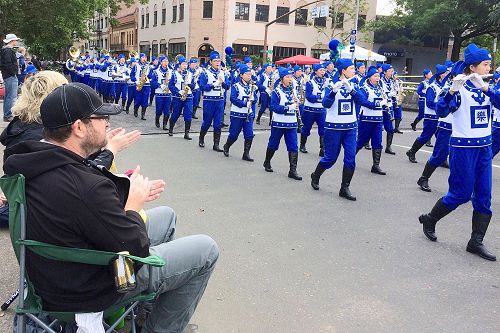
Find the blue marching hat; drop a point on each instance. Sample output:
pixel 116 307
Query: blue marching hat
pixel 371 71
pixel 244 69
pixel 142 55
pixel 247 60
pixel 359 64
pixel 317 67
pixel 386 67
pixel 284 72
pixel 473 54
pixel 296 68
pixel 193 61
pixel 426 71
pixel 133 60
pixel 440 69
pixel 214 55
pixel 181 59
pixel 163 58
pixel 121 56
pixel 30 69
pixel 340 64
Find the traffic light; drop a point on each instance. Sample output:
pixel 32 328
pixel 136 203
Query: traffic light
pixel 331 11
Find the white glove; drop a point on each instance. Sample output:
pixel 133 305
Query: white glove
pixel 347 85
pixel 477 80
pixel 336 86
pixel 383 103
pixel 182 93
pixel 458 82
pixel 249 104
pixel 162 87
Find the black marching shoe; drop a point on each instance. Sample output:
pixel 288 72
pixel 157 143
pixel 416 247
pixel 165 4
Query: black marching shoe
pixel 293 158
pixel 388 149
pixel 346 181
pixel 143 114
pixel 157 121
pixel 246 150
pixel 429 144
pixel 396 126
pixel 187 127
pixel 127 109
pixel 480 224
pixel 321 147
pixel 316 175
pixel 413 150
pixel 267 161
pixel 136 112
pixel 171 128
pixel 201 140
pixel 429 221
pixel 303 141
pixel 165 123
pixel 123 106
pixel 228 145
pixel 367 146
pixel 216 142
pixel 376 153
pixel 193 115
pixel 445 165
pixel 423 181
pixel 257 121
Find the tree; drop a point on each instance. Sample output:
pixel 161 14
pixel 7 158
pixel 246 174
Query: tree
pixel 48 26
pixel 462 20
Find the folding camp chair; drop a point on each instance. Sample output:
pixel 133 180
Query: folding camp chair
pixel 14 189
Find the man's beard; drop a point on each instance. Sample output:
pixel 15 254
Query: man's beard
pixel 92 144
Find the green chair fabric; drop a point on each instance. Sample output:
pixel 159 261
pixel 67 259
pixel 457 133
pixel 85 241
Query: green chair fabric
pixel 14 189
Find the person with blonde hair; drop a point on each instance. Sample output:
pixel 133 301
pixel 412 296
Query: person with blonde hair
pixel 27 124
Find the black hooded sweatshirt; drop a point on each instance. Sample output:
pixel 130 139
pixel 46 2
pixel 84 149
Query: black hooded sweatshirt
pixel 73 204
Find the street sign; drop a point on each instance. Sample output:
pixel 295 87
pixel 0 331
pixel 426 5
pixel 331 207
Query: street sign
pixel 352 48
pixel 352 38
pixel 269 51
pixel 321 11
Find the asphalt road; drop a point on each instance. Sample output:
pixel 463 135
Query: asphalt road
pixel 297 260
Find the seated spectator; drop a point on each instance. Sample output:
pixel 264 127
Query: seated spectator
pixel 88 207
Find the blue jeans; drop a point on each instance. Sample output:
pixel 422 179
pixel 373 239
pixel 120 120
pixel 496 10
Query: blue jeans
pixel 10 95
pixel 180 284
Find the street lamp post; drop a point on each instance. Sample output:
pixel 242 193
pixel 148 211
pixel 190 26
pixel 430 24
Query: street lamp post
pixel 274 21
pixel 355 29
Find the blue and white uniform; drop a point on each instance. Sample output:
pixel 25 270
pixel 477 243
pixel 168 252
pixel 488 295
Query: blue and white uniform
pixel 443 134
pixel 495 124
pixel 284 120
pixel 177 85
pixel 163 97
pixel 120 72
pixel 213 97
pixel 241 115
pixel 264 82
pixel 371 116
pixel 141 97
pixel 314 112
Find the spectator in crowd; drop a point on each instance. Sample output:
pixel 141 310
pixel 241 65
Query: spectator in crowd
pixel 9 68
pixel 106 220
pixel 21 60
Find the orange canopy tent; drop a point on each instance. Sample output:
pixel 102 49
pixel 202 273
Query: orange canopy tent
pixel 298 60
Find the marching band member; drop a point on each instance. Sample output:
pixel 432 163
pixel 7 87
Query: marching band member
pixel 387 84
pixel 142 77
pixel 160 81
pixel 421 90
pixel 495 124
pixel 243 99
pixel 430 116
pixel 469 100
pixel 154 65
pixel 120 76
pixel 314 112
pixel 86 71
pixel 370 126
pixel 265 83
pixel 340 126
pixel 299 88
pixel 398 100
pixel 443 134
pixel 181 85
pixel 248 61
pixel 93 73
pixel 130 83
pixel 330 71
pixel 100 75
pixel 360 73
pixel 107 82
pixel 212 82
pixel 195 71
pixel 285 108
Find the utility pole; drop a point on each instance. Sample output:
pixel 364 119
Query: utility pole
pixel 353 46
pixel 264 55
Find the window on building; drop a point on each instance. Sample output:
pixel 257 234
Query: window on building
pixel 163 48
pixel 163 13
pixel 175 49
pixel 301 17
pixel 147 17
pixel 181 12
pixel 320 22
pixel 361 21
pixel 339 21
pixel 315 53
pixel 142 19
pixel 154 49
pixel 208 7
pixel 242 50
pixel 174 13
pixel 285 52
pixel 106 22
pixel 281 11
pixel 262 13
pixel 242 11
pixel 155 17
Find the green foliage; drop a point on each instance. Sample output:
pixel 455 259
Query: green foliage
pixel 430 18
pixel 48 26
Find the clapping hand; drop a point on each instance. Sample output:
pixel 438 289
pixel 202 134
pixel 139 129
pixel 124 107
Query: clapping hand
pixel 119 139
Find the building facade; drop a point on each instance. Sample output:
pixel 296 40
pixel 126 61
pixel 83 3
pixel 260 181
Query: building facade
pixel 123 37
pixel 196 27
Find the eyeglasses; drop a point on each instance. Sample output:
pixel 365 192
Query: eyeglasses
pixel 105 117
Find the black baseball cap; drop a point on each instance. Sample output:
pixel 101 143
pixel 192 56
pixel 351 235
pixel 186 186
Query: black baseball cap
pixel 73 101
